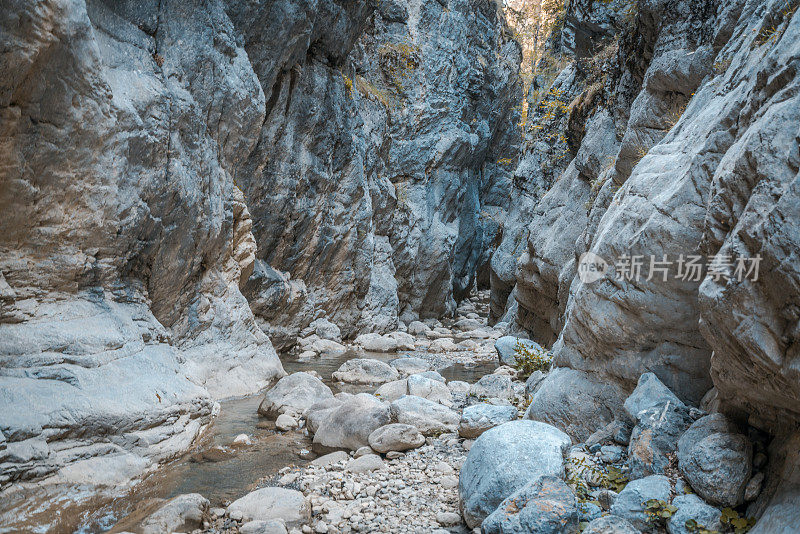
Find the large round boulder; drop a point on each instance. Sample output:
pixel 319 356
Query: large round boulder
pixel 504 459
pixel 349 425
pixel 429 417
pixel 294 393
pixel 365 371
pixel 395 437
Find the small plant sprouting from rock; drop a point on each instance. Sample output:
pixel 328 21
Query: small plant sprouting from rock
pixel 348 83
pixel 658 512
pixel 774 26
pixel 696 528
pixel 398 61
pixel 736 523
pixel 528 361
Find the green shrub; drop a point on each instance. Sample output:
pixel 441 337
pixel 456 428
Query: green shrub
pixel 528 361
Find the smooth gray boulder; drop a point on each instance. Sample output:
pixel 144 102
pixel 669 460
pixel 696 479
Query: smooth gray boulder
pixel 319 411
pixel 429 417
pixel 716 460
pixel 478 418
pixel 504 459
pixel 610 524
pixel 395 437
pixel 349 425
pixel 266 504
pixel 492 386
pixel 576 401
pixel 295 394
pixel 365 371
pixel 365 464
pixel 693 508
pixel 376 342
pixel 629 504
pixel 391 391
pixel 430 389
pixel 273 526
pixel 184 512
pixel 544 506
pixel 410 365
pixel 506 348
pixel 650 392
pixel 326 329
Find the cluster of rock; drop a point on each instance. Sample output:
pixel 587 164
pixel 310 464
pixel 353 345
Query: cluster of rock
pixel 527 476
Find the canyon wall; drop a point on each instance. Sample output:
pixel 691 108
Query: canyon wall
pixel 680 121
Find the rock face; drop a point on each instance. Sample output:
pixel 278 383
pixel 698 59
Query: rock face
pixel 503 460
pixel 124 239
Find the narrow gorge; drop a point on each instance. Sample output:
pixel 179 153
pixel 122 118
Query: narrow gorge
pixel 332 266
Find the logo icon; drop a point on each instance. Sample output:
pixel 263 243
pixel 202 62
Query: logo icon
pixel 591 267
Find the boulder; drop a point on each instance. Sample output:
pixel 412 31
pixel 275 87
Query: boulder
pixel 349 425
pixel 365 464
pixel 610 524
pixel 430 389
pixel 650 392
pixel 433 375
pixel 478 418
pixel 391 391
pixel 629 504
pixel 506 348
pixel 417 328
pixel 576 401
pixel 326 346
pixel 365 371
pixel 181 513
pixel 326 329
pixel 654 439
pixel 544 506
pixel 716 460
pixel 376 342
pixel 410 365
pixel 266 504
pixel 395 437
pixel 504 459
pixel 693 508
pixel 532 382
pixel 458 387
pixel 404 341
pixel 319 411
pixel 285 422
pixel 331 458
pixel 428 416
pixel 294 393
pixel 492 386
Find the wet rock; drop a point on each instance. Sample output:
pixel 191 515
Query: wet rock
pixel 376 342
pixel 364 464
pixel 349 425
pixel 428 416
pixel 478 418
pixel 396 437
pixel 716 460
pixel 629 504
pixel 428 388
pixel 546 505
pixel 576 401
pixel 506 348
pixel 504 459
pixel 610 524
pixel 294 393
pixel 365 371
pixel 410 365
pixel 275 526
pixel 184 512
pixel 242 440
pixel 266 504
pixel 492 386
pixel 693 508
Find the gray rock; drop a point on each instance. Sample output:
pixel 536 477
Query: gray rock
pixel 295 393
pixel 349 425
pixel 274 526
pixel 319 411
pixel 365 464
pixel 546 505
pixel 448 519
pixel 506 347
pixel 532 382
pixel 326 329
pixel 610 524
pixel 692 507
pixel 331 458
pixel 492 386
pixel 376 342
pixel 365 371
pixel 654 439
pixel 429 417
pixel 504 459
pixel 478 418
pixel 184 512
pixel 716 460
pixel 410 365
pixel 649 393
pixel 395 437
pixel 393 390
pixel 417 328
pixel 266 504
pixel 629 504
pixel 458 387
pixel 428 388
pixel 611 453
pixel 576 401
